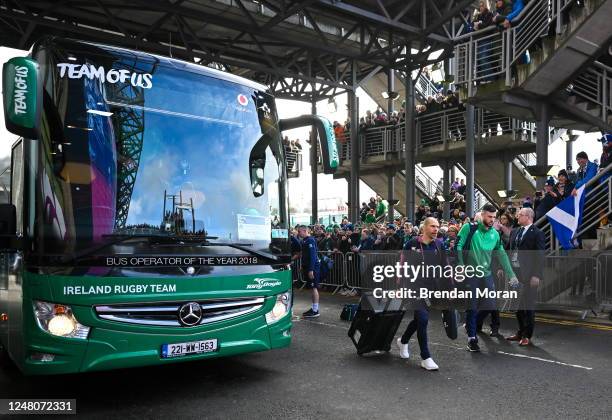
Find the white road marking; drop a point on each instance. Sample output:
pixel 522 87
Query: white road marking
pixel 310 321
pixel 544 360
pixel 298 319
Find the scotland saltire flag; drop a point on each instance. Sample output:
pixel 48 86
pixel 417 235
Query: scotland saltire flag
pixel 565 218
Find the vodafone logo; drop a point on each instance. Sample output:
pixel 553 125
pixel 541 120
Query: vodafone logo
pixel 243 100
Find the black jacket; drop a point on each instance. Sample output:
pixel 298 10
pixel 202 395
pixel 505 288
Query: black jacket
pixel 546 203
pixel 530 252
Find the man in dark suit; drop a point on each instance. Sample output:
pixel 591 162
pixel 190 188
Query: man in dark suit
pixel 527 245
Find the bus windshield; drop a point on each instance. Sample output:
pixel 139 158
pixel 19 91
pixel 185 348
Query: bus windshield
pixel 143 147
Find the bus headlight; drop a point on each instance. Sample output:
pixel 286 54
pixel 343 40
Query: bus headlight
pixel 282 306
pixel 58 320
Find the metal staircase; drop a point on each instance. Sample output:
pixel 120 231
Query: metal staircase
pixel 490 66
pixel 441 136
pixel 293 158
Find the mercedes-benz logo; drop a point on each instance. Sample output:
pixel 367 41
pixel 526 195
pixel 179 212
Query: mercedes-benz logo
pixel 190 314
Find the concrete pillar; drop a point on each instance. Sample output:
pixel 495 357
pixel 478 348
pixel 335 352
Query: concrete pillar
pixel 469 160
pixel 410 147
pixel 390 192
pixel 355 155
pixel 313 167
pixel 542 140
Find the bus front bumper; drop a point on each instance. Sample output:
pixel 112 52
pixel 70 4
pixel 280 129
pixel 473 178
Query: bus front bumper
pixel 109 348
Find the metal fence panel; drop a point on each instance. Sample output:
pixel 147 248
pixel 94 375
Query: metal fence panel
pixel 570 281
pixel 604 286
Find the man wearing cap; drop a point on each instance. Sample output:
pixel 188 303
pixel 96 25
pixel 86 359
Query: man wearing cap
pixel 310 269
pixel 391 241
pixel 586 171
pixel 549 199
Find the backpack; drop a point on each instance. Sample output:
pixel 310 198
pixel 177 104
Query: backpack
pixel 468 241
pixel 348 311
pixel 326 265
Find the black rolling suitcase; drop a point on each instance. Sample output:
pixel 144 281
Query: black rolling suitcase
pixel 375 323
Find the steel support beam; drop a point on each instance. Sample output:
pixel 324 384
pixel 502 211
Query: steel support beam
pixel 508 171
pixel 446 183
pixel 410 148
pixel 390 193
pixel 569 154
pixel 390 90
pixel 389 23
pixel 355 155
pixel 313 168
pixel 469 160
pixel 542 141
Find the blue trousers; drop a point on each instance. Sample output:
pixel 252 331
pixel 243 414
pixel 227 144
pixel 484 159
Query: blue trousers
pixel 419 324
pixel 478 308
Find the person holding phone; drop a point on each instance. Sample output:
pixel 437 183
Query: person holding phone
pixel 564 187
pixel 550 199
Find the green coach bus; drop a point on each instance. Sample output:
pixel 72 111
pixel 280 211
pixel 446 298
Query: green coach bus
pixel 148 217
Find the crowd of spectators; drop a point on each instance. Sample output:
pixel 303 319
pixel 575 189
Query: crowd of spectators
pixel 292 145
pixel 376 233
pixel 379 118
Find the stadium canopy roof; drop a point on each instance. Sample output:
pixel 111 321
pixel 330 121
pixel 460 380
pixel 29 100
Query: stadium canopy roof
pixel 299 48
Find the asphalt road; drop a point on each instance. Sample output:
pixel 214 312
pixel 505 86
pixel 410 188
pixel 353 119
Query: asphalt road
pixel 568 374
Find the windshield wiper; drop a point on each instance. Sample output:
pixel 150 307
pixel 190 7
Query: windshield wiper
pixel 118 238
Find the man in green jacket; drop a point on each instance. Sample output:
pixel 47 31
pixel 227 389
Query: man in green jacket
pixel 484 243
pixel 381 207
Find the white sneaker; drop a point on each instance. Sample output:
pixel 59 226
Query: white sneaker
pixel 429 364
pixel 403 349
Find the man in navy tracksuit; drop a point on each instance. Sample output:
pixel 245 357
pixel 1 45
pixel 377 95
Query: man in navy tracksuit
pixel 310 269
pixel 431 252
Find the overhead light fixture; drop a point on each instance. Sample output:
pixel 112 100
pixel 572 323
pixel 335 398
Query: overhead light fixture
pixel 97 112
pixel 392 95
pixel 507 193
pixel 440 198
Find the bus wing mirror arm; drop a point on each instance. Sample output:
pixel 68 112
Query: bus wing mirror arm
pixel 325 132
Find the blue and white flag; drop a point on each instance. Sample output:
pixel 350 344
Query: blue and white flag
pixel 565 218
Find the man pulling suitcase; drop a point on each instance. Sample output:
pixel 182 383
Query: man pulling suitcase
pixel 432 254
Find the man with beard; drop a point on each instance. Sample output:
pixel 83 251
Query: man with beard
pixel 481 241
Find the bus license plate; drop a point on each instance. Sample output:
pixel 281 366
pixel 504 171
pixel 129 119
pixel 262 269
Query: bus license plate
pixel 193 347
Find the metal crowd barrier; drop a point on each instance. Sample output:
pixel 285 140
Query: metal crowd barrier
pixel 335 277
pixel 570 281
pixel 604 287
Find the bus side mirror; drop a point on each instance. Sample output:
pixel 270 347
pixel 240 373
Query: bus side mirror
pixel 325 131
pixel 22 96
pixel 8 226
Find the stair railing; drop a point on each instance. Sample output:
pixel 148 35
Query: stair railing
pixel 597 205
pixel 485 54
